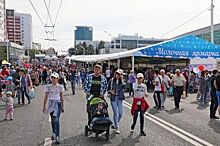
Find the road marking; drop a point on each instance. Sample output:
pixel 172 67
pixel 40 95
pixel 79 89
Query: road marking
pixel 173 129
pixel 47 142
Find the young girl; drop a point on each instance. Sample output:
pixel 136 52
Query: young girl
pixel 9 105
pixel 139 103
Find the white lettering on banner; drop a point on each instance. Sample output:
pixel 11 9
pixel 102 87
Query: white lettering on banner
pixel 161 51
pixel 209 54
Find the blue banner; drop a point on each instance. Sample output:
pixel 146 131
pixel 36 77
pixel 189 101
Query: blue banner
pixel 186 47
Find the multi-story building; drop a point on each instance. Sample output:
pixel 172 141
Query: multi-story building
pixel 13 27
pixel 205 33
pixel 26 30
pixel 132 42
pixel 19 28
pixel 83 34
pixel 2 20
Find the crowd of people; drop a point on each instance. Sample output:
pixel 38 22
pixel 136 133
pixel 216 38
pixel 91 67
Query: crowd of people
pixel 18 82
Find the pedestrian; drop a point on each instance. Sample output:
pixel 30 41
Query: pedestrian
pixel 54 97
pixel 139 103
pixel 179 87
pixel 158 82
pixel 166 84
pixel 25 85
pixel 131 80
pixel 73 80
pixel 10 86
pixel 8 105
pixel 214 99
pixel 116 88
pixel 217 87
pixel 203 83
pixel 108 74
pixel 95 85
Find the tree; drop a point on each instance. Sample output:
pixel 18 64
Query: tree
pixel 32 53
pixel 101 45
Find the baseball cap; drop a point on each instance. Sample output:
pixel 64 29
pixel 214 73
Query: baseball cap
pixel 55 75
pixel 98 66
pixel 140 75
pixel 120 71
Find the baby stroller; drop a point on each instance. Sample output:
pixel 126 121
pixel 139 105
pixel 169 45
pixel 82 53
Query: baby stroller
pixel 99 117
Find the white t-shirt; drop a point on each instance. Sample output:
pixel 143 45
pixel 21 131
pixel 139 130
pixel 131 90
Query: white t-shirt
pixel 54 91
pixel 108 73
pixel 166 81
pixel 140 90
pixel 159 80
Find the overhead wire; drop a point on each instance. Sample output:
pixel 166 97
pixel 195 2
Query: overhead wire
pixel 48 12
pixel 41 20
pixel 189 20
pixel 57 13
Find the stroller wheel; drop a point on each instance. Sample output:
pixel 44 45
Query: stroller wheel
pixel 86 130
pixel 96 135
pixel 107 135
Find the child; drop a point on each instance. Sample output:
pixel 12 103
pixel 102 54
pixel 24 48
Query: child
pixel 100 111
pixel 9 105
pixel 139 103
pixel 10 86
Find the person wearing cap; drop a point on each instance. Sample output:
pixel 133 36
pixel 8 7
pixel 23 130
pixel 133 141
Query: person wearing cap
pixel 116 93
pixel 179 87
pixel 10 86
pixel 9 102
pixel 55 99
pixel 131 80
pixel 158 82
pixel 25 85
pixel 166 82
pixel 139 105
pixel 95 85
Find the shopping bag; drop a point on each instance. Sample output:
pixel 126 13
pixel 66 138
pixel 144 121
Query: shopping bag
pixel 31 93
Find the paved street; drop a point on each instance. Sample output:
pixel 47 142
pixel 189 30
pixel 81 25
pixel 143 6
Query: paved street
pixel 168 127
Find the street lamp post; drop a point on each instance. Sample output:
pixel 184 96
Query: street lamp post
pixel 7 50
pixel 212 21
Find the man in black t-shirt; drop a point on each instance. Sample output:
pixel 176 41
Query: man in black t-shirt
pixel 214 99
pixel 95 85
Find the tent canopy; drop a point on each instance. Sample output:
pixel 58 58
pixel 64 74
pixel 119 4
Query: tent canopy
pixel 187 47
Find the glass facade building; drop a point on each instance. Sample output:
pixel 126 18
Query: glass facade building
pixel 205 33
pixel 83 33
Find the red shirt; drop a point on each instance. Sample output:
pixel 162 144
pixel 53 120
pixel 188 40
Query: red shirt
pixel 144 105
pixel 5 72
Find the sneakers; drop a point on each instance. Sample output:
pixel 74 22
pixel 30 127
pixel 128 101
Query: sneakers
pixel 117 131
pixel 53 136
pixel 132 128
pixel 57 140
pixel 143 133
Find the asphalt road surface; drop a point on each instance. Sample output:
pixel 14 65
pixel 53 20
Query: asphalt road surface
pixel 168 127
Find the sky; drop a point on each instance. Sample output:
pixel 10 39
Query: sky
pixel 147 18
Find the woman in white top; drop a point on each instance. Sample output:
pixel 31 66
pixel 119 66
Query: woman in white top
pixel 139 103
pixel 54 92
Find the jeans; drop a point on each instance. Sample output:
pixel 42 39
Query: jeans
pixel 157 98
pixel 131 91
pixel 203 98
pixel 141 118
pixel 214 104
pixel 22 92
pixel 73 86
pixel 177 91
pixel 117 107
pixel 163 98
pixel 55 121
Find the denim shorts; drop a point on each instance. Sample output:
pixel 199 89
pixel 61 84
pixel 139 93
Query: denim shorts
pixel 218 95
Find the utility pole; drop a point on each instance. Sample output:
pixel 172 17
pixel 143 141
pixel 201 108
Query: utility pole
pixel 212 21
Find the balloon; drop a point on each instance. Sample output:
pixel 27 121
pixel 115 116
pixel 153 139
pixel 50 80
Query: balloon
pixel 201 67
pixel 196 70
